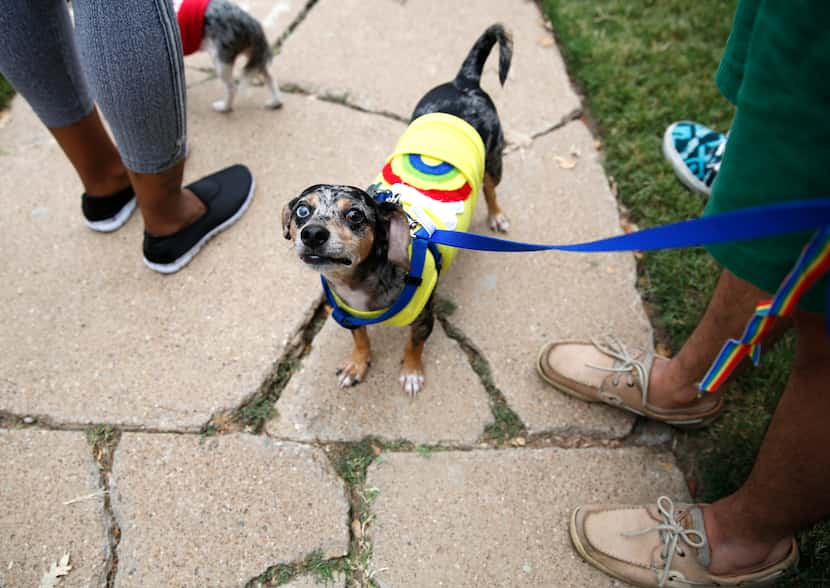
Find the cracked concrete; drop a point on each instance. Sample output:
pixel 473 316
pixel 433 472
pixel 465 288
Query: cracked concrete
pixel 92 337
pixel 50 505
pixel 216 511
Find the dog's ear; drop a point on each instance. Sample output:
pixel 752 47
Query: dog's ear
pixel 398 232
pixel 287 211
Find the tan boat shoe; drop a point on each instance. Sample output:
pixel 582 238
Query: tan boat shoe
pixel 610 373
pixel 658 545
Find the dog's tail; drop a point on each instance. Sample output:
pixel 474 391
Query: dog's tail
pixel 470 73
pixel 259 54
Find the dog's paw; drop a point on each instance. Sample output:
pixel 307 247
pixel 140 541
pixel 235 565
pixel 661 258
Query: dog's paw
pixel 273 104
pixel 352 374
pixel 499 222
pixel 221 106
pixel 412 381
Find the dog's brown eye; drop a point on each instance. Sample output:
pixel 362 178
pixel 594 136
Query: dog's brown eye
pixel 355 216
pixel 303 211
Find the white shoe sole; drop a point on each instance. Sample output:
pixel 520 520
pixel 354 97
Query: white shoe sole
pixel 173 267
pixel 116 222
pixel 686 177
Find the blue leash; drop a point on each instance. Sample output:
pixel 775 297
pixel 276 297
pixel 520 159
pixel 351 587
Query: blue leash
pixel 737 225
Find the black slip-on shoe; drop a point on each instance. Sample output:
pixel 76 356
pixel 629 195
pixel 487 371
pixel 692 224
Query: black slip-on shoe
pixel 226 195
pixel 108 213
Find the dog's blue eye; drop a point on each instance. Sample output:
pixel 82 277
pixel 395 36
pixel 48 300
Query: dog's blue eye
pixel 355 216
pixel 303 211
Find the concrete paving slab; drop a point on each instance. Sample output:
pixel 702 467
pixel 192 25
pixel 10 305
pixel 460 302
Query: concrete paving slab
pixel 42 471
pixel 275 16
pixel 500 518
pixel 383 56
pixel 20 128
pixel 509 305
pixel 218 511
pixel 91 335
pixel 453 407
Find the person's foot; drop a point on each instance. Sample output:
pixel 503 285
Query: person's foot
pixel 108 213
pixel 226 195
pixel 695 153
pixel 659 545
pixel 610 373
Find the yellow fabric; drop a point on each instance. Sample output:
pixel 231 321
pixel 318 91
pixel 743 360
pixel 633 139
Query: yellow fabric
pixel 444 138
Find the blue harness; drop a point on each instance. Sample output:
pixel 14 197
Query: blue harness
pixel 421 245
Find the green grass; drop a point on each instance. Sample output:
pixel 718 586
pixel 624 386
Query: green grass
pixel 641 65
pixel 321 570
pixel 6 93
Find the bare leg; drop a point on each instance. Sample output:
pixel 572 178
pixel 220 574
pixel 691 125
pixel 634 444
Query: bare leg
pixel 93 154
pixel 355 370
pixel 787 489
pixel 673 383
pixel 497 219
pixel 165 205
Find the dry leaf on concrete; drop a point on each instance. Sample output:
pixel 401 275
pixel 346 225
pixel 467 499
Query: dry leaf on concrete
pixel 51 578
pixel 628 226
pixel 546 41
pixel 565 162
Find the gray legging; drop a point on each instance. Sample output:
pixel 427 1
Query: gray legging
pixel 124 55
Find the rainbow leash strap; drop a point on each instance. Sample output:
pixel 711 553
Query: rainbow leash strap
pixel 813 263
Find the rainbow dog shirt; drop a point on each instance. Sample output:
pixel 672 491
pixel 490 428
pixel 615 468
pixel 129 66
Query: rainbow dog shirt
pixel 436 172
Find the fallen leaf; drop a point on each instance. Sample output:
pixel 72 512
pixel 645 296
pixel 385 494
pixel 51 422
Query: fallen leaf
pixel 51 578
pixel 547 41
pixel 597 144
pixel 663 349
pixel 376 451
pixel 357 529
pixel 5 117
pixel 519 442
pixel 565 162
pixel 628 226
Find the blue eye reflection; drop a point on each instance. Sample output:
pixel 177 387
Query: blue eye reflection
pixel 303 211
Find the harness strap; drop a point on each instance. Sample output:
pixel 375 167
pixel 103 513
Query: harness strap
pixel 420 247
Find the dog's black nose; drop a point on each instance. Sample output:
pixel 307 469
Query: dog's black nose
pixel 315 235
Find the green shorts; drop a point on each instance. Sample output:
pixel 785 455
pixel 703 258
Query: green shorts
pixel 776 71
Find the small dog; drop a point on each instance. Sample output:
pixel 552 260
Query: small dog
pixel 364 242
pixel 226 31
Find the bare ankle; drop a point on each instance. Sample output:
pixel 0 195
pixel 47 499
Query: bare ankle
pixel 667 389
pixel 736 547
pixel 179 213
pixel 108 183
